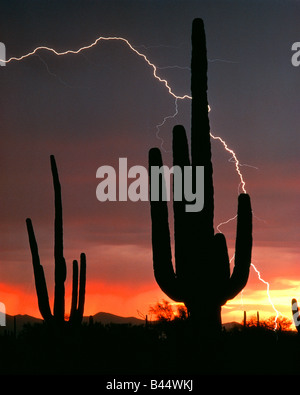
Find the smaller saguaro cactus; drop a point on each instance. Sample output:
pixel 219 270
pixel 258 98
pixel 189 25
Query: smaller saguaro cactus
pixel 245 319
pixel 78 297
pixel 296 314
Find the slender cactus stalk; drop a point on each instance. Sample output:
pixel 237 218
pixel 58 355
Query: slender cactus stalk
pixel 39 276
pixel 77 306
pixel 60 263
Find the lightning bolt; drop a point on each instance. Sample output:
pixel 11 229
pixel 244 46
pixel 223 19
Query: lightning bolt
pixel 224 223
pixel 258 275
pixel 236 161
pixel 93 44
pixel 221 60
pixel 51 73
pixel 164 121
pixel 268 292
pixel 176 97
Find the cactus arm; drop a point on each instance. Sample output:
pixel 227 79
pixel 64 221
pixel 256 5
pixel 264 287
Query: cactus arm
pixel 82 285
pixel 296 315
pixel 74 291
pixel 39 276
pixel 161 244
pixel 60 264
pixel 221 273
pixel 77 305
pixel 243 247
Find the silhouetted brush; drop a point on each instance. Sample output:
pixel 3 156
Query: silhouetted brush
pixel 296 314
pixel 201 278
pixel 60 267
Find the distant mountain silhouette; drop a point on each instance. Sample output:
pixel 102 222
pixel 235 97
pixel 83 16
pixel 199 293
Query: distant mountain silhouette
pixel 232 326
pixel 102 317
pixel 107 318
pixel 21 320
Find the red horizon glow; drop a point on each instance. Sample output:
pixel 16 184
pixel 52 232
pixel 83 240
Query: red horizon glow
pixel 119 299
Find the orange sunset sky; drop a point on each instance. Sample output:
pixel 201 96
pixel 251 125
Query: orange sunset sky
pixel 93 108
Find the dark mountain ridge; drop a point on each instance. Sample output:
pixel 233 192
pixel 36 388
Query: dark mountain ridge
pixel 16 323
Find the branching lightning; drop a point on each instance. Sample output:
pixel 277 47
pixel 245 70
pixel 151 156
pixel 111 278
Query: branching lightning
pixel 176 97
pixel 221 60
pixel 173 67
pixel 268 289
pixel 225 222
pixel 51 73
pixel 258 275
pixel 77 51
pixel 237 163
pixel 164 121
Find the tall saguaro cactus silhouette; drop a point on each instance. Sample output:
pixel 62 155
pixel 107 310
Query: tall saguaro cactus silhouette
pixel 201 278
pixel 77 306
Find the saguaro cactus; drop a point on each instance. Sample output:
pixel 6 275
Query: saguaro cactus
pixel 77 306
pixel 201 278
pixel 296 314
